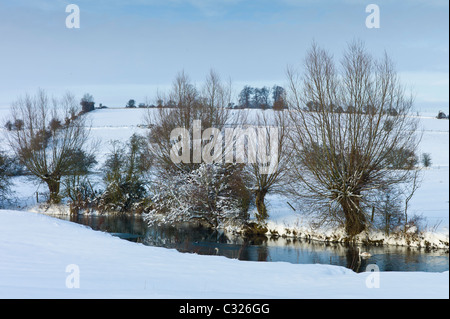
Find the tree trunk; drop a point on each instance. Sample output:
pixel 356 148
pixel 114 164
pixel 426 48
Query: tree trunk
pixel 261 206
pixel 53 185
pixel 355 221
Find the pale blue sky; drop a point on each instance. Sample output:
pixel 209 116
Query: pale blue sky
pixel 129 49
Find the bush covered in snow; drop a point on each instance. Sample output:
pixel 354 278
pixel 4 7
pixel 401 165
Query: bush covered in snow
pixel 212 194
pixel 124 177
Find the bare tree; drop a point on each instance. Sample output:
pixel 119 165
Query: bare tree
pixel 268 173
pixel 181 106
pixel 51 135
pixel 197 113
pixel 216 97
pixel 414 185
pixel 207 105
pixel 342 158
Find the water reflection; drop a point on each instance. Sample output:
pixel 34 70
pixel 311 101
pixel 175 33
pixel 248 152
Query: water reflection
pixel 204 241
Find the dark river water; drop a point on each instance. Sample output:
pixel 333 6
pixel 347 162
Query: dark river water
pixel 205 241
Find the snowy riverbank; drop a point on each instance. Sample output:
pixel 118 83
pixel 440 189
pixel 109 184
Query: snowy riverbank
pixel 433 232
pixel 36 250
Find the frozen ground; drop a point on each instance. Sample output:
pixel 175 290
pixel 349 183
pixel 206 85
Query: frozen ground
pixel 44 257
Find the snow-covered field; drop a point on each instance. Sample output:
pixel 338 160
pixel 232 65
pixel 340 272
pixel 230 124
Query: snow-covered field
pixel 35 249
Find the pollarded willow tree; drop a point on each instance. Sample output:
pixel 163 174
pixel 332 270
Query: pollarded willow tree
pixel 51 138
pixel 185 104
pixel 193 182
pixel 358 138
pixel 269 172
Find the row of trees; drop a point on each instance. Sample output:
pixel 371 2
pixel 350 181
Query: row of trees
pixel 248 98
pixel 260 98
pixel 340 166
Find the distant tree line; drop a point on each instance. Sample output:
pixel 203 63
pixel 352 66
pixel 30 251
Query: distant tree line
pixel 249 98
pixel 262 98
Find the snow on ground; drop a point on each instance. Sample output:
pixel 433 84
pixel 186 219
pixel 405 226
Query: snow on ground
pixel 44 257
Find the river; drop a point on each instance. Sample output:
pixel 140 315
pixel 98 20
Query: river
pixel 204 241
